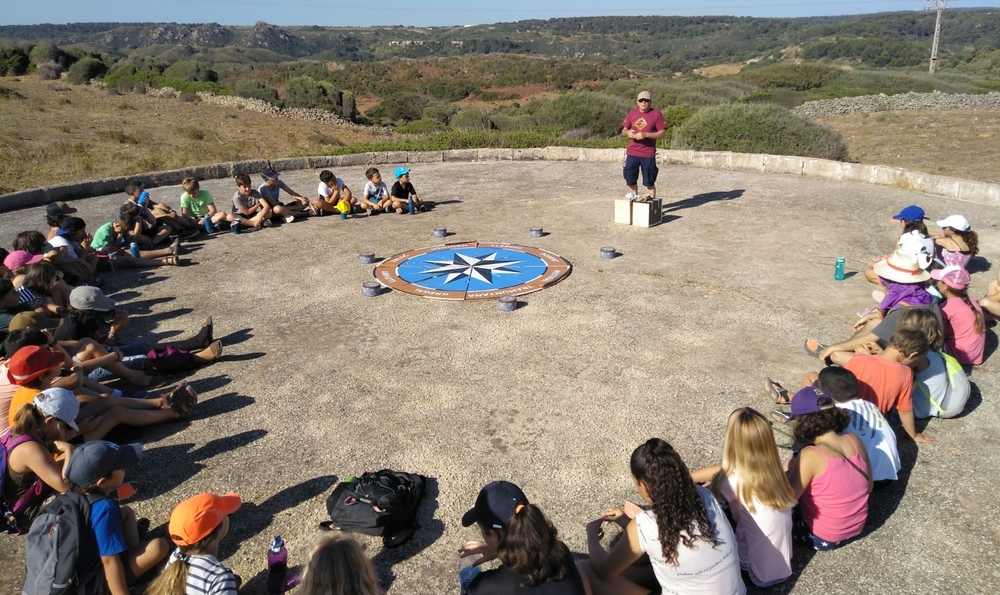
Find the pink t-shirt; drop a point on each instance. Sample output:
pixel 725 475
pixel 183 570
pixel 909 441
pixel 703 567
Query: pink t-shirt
pixel 7 391
pixel 960 337
pixel 651 121
pixel 835 504
pixel 763 538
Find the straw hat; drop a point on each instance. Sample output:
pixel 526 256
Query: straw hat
pixel 901 267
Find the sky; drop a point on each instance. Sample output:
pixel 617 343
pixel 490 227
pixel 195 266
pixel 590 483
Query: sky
pixel 422 13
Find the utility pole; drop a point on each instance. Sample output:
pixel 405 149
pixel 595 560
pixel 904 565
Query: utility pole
pixel 939 5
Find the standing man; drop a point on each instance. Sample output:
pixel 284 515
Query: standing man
pixel 644 126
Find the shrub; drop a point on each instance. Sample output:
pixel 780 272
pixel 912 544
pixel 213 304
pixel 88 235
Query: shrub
pixel 800 77
pixel 7 93
pixel 471 119
pixel 405 107
pixel 191 71
pixel 49 71
pixel 44 53
pixel 348 109
pixel 190 97
pixel 757 128
pixel 421 126
pixel 305 91
pixel 255 90
pixel 85 70
pixel 442 112
pixel 576 134
pixel 13 61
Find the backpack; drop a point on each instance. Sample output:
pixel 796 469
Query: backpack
pixel 11 510
pixel 382 503
pixel 61 554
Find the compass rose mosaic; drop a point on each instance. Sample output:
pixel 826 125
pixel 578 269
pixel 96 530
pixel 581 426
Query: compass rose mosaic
pixel 472 271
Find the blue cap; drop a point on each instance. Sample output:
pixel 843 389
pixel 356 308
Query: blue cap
pixel 910 213
pixel 96 459
pixel 496 504
pixel 400 172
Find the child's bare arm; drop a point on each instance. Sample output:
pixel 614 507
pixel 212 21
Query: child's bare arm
pixel 114 574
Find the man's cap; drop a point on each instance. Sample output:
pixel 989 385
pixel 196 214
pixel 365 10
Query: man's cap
pixel 32 320
pixel 86 297
pixel 96 459
pixel 60 404
pixel 955 222
pixel 20 258
pixel 268 173
pixel 29 363
pixel 71 225
pixel 400 172
pixel 643 95
pixel 59 208
pixel 910 213
pixel 195 518
pixel 953 276
pixel 811 399
pixel 496 504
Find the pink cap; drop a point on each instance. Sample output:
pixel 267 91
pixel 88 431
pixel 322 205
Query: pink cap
pixel 953 276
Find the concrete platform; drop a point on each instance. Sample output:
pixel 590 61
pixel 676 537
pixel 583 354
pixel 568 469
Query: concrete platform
pixel 319 382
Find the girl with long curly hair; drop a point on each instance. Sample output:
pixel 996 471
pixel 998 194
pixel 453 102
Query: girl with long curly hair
pixel 338 566
pixel 751 480
pixel 686 536
pixel 527 543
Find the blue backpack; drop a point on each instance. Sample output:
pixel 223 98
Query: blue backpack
pixel 11 511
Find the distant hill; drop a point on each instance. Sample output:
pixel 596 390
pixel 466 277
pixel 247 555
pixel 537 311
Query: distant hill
pixel 650 43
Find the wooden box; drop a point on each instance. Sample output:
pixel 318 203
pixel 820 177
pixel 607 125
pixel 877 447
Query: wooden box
pixel 623 212
pixel 647 214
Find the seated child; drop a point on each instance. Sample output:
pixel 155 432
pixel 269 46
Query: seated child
pixel 402 191
pixel 112 240
pixel 331 191
pixel 271 189
pixel 911 219
pixel 97 468
pixel 964 328
pixel 10 305
pixel 197 526
pixel 376 194
pixel 39 289
pixel 249 207
pixel 940 386
pixel 956 244
pixel 338 564
pixel 54 214
pixel 199 205
pixel 149 231
pixel 76 257
pixel 168 217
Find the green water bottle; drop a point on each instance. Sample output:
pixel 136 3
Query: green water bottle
pixel 838 272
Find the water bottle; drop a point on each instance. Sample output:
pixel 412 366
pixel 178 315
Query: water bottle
pixel 277 566
pixel 467 572
pixel 236 228
pixel 838 272
pixel 411 205
pixel 208 224
pixel 143 197
pixel 133 249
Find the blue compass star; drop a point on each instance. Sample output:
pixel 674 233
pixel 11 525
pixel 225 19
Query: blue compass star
pixel 463 265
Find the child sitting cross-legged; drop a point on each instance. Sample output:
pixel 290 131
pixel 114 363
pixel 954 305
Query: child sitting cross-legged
pixel 97 468
pixel 333 195
pixel 197 526
pixel 249 207
pixel 199 205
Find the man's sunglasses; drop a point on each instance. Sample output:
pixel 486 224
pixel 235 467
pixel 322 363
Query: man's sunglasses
pixel 643 101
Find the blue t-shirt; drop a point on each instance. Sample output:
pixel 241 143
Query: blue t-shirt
pixel 106 522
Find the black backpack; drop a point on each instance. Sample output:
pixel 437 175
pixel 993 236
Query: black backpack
pixel 380 503
pixel 62 556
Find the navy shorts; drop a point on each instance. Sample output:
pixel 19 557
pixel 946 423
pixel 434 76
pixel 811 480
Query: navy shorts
pixel 631 170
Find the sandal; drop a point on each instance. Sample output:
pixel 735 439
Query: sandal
pixel 181 400
pixel 176 246
pixel 170 261
pixel 778 393
pixel 208 354
pixel 814 347
pixel 208 339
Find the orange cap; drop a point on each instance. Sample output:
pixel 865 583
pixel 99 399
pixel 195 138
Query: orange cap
pixel 195 518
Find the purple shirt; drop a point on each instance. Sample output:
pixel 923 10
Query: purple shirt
pixel 651 121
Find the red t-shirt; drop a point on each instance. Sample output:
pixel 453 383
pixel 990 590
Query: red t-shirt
pixel 887 384
pixel 651 121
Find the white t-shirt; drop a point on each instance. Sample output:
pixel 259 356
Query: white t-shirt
pixel 700 569
pixel 325 191
pixel 877 436
pixel 763 537
pixel 62 242
pixel 376 193
pixel 950 394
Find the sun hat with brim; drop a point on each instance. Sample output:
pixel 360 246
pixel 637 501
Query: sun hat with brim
pixel 59 208
pixel 901 267
pixel 910 213
pixel 97 458
pixel 400 172
pixel 31 363
pixel 60 404
pixel 496 504
pixel 953 276
pixel 20 258
pixel 32 320
pixel 86 297
pixel 811 399
pixel 955 222
pixel 195 518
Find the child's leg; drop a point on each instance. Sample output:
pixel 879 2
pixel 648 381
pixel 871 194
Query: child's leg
pixel 98 426
pixel 324 207
pixel 810 379
pixel 141 556
pixel 162 235
pixel 129 262
pixel 158 253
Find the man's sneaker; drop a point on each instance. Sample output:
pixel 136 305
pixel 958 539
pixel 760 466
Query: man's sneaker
pixel 631 196
pixel 267 223
pixel 289 218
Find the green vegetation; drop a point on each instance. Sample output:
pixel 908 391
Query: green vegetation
pixel 6 93
pixel 757 128
pixel 472 139
pixel 85 70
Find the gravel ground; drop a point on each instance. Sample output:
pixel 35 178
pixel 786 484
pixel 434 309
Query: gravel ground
pixel 318 382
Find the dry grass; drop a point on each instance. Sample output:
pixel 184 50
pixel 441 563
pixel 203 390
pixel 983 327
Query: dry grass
pixel 59 133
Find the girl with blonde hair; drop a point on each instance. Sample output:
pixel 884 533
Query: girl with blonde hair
pixel 338 566
pixel 752 481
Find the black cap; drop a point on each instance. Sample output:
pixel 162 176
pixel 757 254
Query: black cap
pixel 495 506
pixel 72 225
pixel 59 208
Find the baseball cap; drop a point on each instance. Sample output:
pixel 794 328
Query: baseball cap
pixel 910 213
pixel 953 276
pixel 195 518
pixel 400 171
pixel 268 173
pixel 643 95
pixel 811 399
pixel 20 258
pixel 31 362
pixel 59 208
pixel 71 225
pixel 60 404
pixel 495 505
pixel 955 222
pixel 97 458
pixel 32 320
pixel 86 297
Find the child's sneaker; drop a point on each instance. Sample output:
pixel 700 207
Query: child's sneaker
pixel 631 196
pixel 289 218
pixel 267 223
pixel 423 208
pixel 370 212
pixel 399 210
